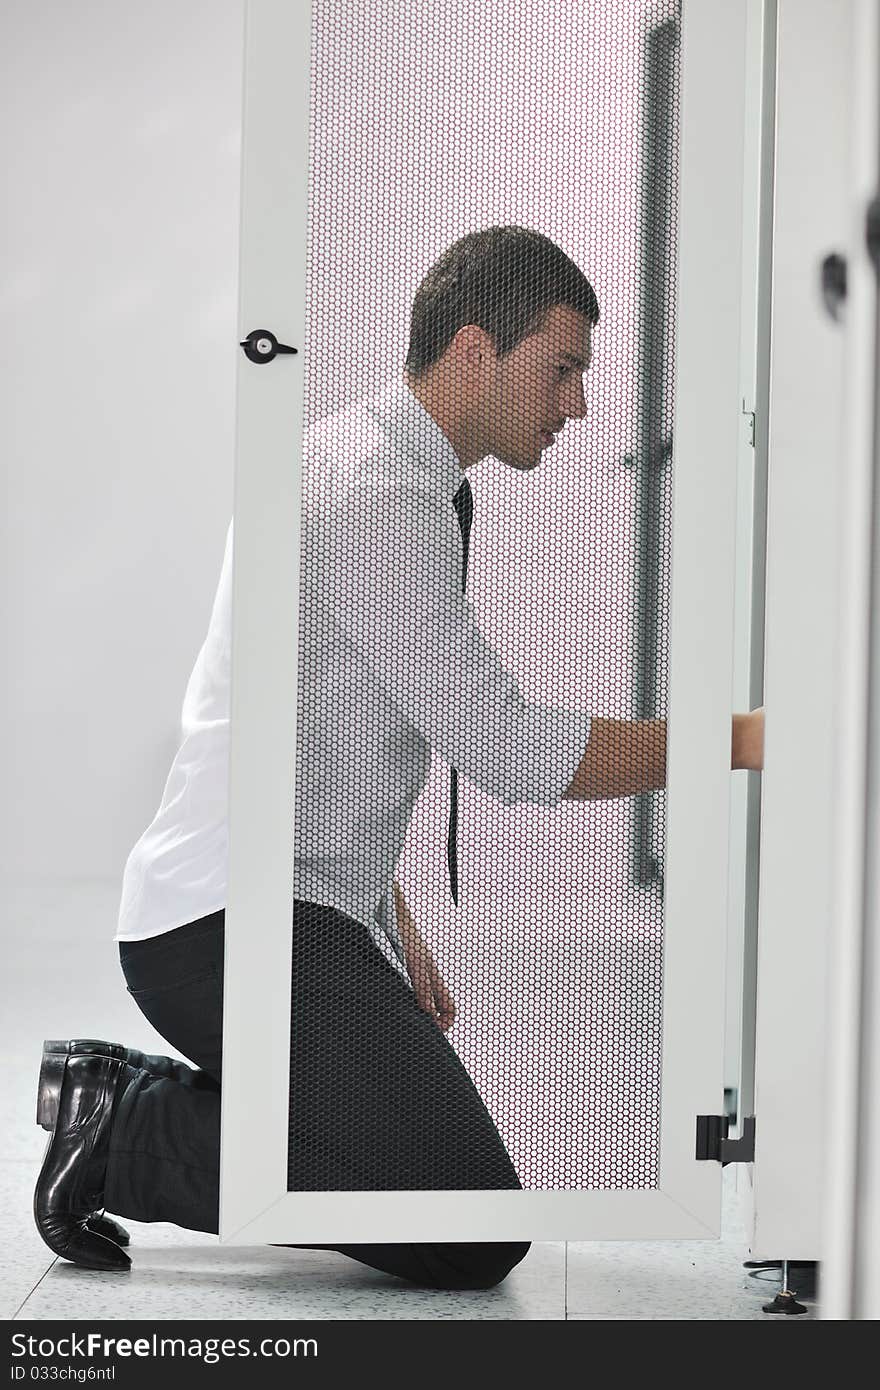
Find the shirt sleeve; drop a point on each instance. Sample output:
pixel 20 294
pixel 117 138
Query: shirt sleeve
pixel 392 577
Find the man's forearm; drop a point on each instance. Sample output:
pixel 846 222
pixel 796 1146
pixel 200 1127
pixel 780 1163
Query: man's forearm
pixel 625 757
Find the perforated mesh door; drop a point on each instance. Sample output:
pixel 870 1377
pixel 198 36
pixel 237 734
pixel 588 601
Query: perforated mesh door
pixel 430 122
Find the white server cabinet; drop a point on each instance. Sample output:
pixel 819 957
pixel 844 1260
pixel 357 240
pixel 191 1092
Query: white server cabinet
pixel 683 1198
pixel 812 469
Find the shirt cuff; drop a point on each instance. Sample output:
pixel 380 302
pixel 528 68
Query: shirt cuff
pixel 553 745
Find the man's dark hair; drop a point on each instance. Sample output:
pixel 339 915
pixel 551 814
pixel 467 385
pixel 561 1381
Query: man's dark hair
pixel 505 280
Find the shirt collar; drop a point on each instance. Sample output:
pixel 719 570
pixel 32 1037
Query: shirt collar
pixel 399 410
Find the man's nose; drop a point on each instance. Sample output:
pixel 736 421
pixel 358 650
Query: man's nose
pixel 577 408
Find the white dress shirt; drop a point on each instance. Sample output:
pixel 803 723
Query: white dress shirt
pixel 392 666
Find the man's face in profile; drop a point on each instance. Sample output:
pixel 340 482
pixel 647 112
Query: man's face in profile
pixel 537 388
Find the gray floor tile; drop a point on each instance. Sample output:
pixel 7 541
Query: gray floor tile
pixel 186 1274
pixel 25 1258
pixel 692 1280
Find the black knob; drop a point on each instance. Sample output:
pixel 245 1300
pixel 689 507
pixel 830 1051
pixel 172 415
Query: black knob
pixel 262 346
pixel 872 231
pixel 834 284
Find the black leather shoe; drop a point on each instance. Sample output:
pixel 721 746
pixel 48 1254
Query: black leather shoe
pixel 106 1226
pixel 70 1188
pixel 47 1096
pixel 47 1108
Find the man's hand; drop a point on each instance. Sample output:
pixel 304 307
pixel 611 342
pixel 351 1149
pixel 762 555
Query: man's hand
pixel 431 991
pixel 747 741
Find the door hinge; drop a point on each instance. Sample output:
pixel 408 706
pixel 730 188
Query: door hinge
pixel 714 1145
pixel 750 417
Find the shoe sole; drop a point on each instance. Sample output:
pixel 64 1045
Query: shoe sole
pixel 55 1054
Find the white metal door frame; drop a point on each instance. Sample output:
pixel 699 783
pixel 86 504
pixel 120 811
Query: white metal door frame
pixel 806 487
pixel 751 544
pixel 851 1206
pixel 255 1204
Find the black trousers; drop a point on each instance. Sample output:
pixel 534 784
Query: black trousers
pixel 381 1099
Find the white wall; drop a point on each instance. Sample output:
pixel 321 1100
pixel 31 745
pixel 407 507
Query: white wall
pixel 118 296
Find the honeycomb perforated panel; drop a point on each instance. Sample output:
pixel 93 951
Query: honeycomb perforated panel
pixel 491 185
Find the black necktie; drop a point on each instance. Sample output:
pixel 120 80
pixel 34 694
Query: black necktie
pixel 463 502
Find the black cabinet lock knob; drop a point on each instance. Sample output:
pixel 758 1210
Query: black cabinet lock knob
pixel 262 346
